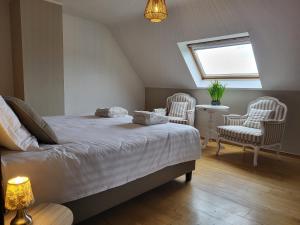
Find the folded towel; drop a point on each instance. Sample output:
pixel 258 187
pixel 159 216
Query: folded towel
pixel 160 111
pixel 111 112
pixel 148 118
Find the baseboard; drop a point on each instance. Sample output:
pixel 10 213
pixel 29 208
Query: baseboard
pixel 288 154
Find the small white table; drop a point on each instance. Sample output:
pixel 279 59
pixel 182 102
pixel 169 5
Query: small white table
pixel 211 110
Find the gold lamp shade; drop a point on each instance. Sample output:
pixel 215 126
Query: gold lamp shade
pixel 156 11
pixel 18 194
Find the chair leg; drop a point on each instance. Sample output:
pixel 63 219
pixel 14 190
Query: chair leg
pixel 219 147
pixel 244 148
pixel 256 150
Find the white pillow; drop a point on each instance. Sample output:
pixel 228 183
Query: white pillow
pixel 178 109
pixel 255 116
pixel 13 135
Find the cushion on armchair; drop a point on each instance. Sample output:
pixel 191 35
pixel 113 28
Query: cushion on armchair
pixel 178 109
pixel 177 120
pixel 241 134
pixel 256 116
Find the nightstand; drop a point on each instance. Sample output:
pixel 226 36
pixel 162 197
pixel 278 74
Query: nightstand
pixel 47 214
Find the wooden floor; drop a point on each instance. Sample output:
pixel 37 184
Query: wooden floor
pixel 224 190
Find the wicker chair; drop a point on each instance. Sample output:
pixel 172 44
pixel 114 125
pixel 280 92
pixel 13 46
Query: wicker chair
pixel 269 135
pixel 190 113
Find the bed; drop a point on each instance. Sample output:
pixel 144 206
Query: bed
pixel 101 162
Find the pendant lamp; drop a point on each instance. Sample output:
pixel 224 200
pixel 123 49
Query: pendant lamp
pixel 156 11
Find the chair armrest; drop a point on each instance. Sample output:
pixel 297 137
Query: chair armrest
pixel 160 111
pixel 234 119
pixel 272 131
pixel 190 116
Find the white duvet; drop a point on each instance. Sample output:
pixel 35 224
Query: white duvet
pixel 96 154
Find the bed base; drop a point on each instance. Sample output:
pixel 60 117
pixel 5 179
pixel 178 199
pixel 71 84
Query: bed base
pixel 92 205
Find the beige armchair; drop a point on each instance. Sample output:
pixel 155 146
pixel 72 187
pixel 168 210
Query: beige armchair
pixel 189 116
pixel 268 135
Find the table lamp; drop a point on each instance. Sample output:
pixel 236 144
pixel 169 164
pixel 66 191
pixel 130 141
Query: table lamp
pixel 19 197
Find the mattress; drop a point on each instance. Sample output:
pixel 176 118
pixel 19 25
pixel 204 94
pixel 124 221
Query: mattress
pixel 97 154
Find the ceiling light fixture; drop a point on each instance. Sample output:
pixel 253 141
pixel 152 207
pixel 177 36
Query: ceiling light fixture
pixel 156 11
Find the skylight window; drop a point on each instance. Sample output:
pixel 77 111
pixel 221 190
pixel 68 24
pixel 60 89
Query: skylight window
pixel 225 59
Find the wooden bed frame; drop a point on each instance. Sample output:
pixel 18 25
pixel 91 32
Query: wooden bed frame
pixel 92 205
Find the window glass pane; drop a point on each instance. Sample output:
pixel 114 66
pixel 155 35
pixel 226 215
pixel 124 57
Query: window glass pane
pixel 229 60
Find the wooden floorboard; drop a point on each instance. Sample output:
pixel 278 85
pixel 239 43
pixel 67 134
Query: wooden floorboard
pixel 225 190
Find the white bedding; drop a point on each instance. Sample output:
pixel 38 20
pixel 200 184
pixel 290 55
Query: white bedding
pixel 96 154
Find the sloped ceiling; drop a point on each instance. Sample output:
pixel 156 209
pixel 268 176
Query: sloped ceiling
pixel 274 27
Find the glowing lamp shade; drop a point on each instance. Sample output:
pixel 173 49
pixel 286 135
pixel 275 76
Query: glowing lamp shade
pixel 18 194
pixel 156 11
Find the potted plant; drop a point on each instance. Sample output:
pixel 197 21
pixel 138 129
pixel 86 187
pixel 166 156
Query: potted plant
pixel 216 91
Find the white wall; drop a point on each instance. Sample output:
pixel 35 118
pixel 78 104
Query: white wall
pixel 97 73
pixel 273 26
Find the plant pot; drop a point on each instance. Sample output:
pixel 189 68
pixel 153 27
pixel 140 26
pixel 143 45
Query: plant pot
pixel 215 102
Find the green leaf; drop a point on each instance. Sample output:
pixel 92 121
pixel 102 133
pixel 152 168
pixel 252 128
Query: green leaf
pixel 216 90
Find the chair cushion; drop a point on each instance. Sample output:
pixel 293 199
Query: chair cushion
pixel 255 116
pixel 178 109
pixel 177 120
pixel 240 134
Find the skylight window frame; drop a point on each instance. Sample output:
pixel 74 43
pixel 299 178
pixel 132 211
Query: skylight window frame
pixel 193 47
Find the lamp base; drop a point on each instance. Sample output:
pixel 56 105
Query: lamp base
pixel 21 218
